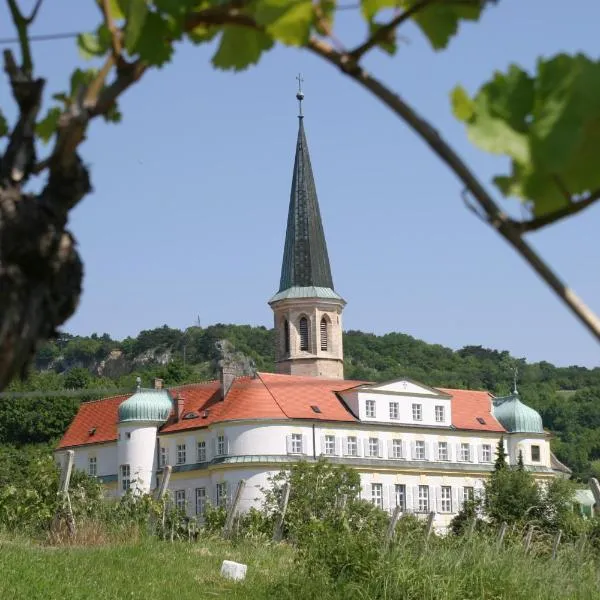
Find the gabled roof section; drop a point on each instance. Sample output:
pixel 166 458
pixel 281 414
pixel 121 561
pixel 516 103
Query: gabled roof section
pixel 305 258
pixel 95 423
pixel 470 408
pixel 403 386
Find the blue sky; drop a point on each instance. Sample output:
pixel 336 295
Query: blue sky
pixel 191 191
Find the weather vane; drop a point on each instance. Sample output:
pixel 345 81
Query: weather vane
pixel 300 94
pixel 515 377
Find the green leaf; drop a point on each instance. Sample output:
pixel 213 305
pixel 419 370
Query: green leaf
pixel 547 125
pixel 239 48
pixel 288 21
pixel 137 13
pixel 3 125
pixel 118 8
pixel 81 78
pixel 94 44
pixel 153 44
pixel 388 44
pixel 47 126
pixel 202 34
pixel 370 8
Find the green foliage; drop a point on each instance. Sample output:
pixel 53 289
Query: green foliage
pixel 3 125
pixel 547 124
pixel 501 455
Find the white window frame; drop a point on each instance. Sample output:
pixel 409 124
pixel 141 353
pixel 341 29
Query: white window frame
pixel 222 494
pixel 201 451
pixel 445 455
pixel 163 457
pixel 440 413
pixel 92 466
pixel 539 452
pixel 486 453
pixel 396 448
pixel 200 494
pixel 296 443
pixel 419 450
pixel 394 411
pixel 370 409
pixel 423 499
pixel 465 452
pixel 400 496
pixel 373 446
pixel 125 472
pixel 221 445
pixel 446 499
pixel 181 453
pixel 351 445
pixel 417 412
pixel 377 494
pixel 329 445
pixel 468 493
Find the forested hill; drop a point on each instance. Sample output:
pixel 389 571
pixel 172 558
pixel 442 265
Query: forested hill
pixel 567 397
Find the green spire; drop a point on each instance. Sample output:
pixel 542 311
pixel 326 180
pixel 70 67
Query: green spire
pixel 305 258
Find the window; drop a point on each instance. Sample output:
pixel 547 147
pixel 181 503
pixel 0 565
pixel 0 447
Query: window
pixel 373 447
pixel 180 499
pixel 286 336
pixel 468 494
pixel 465 452
pixel 417 412
pixel 400 496
pixel 352 446
pixel 329 445
pixel 394 410
pixel 419 450
pixel 535 454
pixel 222 494
pixel 296 445
pixel 92 466
pixel 396 449
pixel 323 333
pixel 201 451
pixel 442 450
pixel 377 494
pixel 181 454
pixel 125 477
pixel 446 499
pixel 200 500
pixel 303 327
pixel 423 500
pixel 163 460
pixel 221 445
pixel 439 414
pixel 370 408
pixel 486 453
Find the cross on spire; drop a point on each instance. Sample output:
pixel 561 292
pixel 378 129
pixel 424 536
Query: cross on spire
pixel 300 94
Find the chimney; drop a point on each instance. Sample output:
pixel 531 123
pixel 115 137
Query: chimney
pixel 158 383
pixel 227 377
pixel 179 402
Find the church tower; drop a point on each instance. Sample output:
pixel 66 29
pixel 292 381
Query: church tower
pixel 307 310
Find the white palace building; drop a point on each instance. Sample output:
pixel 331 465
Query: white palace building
pixel 419 447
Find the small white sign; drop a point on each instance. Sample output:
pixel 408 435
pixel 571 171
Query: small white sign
pixel 233 570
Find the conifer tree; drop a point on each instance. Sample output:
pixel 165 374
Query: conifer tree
pixel 500 456
pixel 520 464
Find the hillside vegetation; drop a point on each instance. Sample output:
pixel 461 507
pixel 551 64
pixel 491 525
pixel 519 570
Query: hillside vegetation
pixel 567 397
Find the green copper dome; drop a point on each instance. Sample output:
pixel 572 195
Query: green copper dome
pixel 146 405
pixel 515 416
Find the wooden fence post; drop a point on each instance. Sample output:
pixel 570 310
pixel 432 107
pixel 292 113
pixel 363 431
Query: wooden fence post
pixel 501 534
pixel 64 501
pixel 392 526
pixel 471 529
pixel 528 539
pixel 429 527
pixel 556 543
pixel 231 514
pixel 278 529
pixel 164 482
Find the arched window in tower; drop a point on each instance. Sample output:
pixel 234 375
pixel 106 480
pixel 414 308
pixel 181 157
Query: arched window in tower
pixel 286 336
pixel 303 326
pixel 324 345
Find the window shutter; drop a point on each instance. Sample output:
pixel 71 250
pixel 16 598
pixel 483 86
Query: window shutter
pixel 458 455
pixel 324 334
pixel 450 447
pixel 480 453
pixel 427 451
pixel 390 446
pixel 391 490
pixel 416 498
pixel 461 498
pixel 288 443
pixel 359 449
pixel 471 453
pixel 365 444
pixel 213 446
pixel 322 445
pixel 379 447
pixel 346 451
pixel 303 326
pixel 413 450
pixel 305 445
pixel 436 450
pixel 438 499
pixel 455 499
pixel 338 449
pixel 226 445
pixel 409 498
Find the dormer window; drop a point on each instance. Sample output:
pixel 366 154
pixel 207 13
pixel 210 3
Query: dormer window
pixel 370 408
pixel 439 414
pixel 303 327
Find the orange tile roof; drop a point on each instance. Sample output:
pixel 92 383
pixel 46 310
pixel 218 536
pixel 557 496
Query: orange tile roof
pixel 467 405
pixel 267 396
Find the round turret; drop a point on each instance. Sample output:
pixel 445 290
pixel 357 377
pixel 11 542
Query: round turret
pixel 146 405
pixel 517 417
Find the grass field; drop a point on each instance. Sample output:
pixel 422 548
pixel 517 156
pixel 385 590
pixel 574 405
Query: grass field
pixel 159 570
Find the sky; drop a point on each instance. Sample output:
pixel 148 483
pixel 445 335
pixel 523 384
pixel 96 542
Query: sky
pixel 191 191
